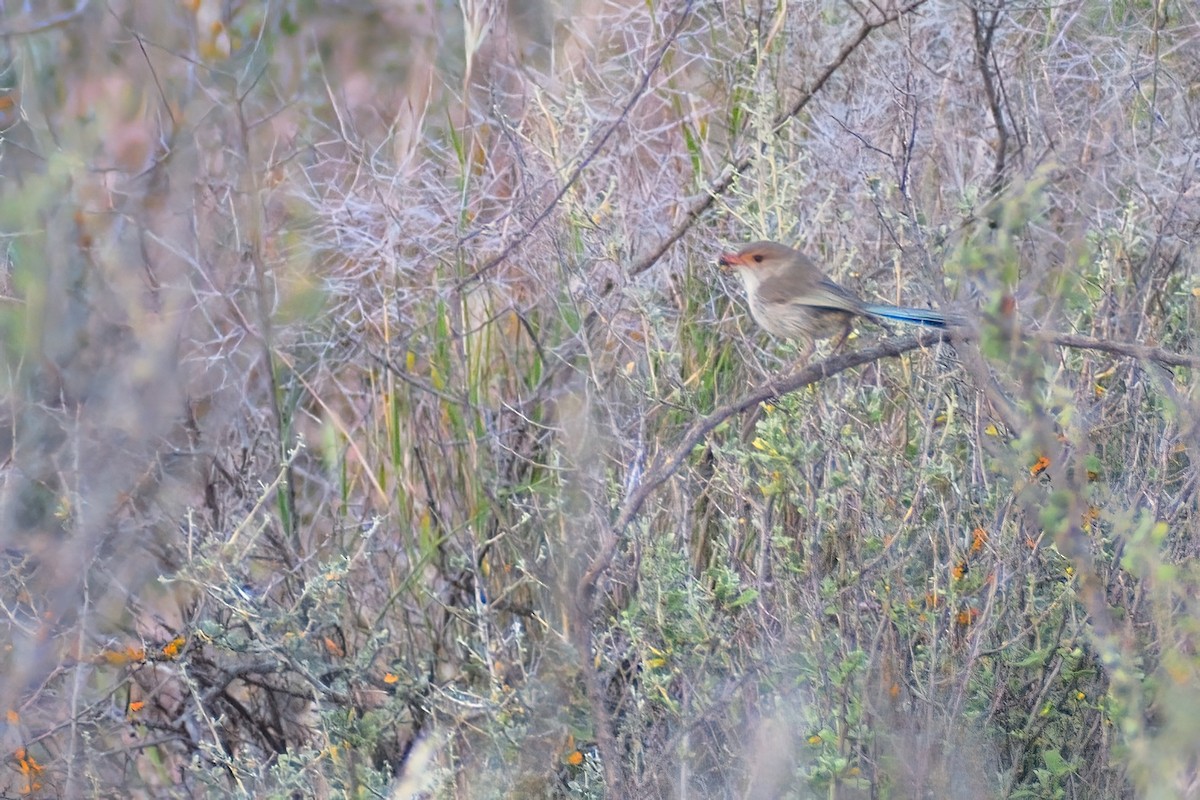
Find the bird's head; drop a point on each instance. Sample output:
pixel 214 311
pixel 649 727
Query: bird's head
pixel 758 259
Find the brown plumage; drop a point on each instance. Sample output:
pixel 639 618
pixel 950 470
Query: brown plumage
pixel 791 297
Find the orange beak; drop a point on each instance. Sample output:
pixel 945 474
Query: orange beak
pixel 729 261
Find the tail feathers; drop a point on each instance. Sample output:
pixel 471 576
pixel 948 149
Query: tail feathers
pixel 913 316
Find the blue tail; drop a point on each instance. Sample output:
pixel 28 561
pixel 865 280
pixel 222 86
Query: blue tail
pixel 913 316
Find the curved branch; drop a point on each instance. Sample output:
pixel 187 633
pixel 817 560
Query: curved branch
pixel 668 463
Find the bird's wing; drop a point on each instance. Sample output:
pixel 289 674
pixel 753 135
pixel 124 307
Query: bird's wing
pixel 807 290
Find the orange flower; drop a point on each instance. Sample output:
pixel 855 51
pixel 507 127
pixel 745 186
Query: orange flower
pixel 173 648
pixel 979 538
pixel 30 770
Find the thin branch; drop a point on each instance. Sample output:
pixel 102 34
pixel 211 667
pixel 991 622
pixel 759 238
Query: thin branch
pixel 1141 352
pixel 985 33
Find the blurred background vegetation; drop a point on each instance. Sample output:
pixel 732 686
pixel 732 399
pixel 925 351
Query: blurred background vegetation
pixel 376 423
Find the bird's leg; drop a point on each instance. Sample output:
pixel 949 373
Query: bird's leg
pixel 805 354
pixel 846 329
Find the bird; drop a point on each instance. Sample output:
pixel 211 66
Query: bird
pixel 792 298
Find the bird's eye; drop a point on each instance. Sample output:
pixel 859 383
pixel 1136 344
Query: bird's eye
pixel 758 258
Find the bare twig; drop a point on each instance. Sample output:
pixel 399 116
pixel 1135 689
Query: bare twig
pixel 985 32
pixel 1142 352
